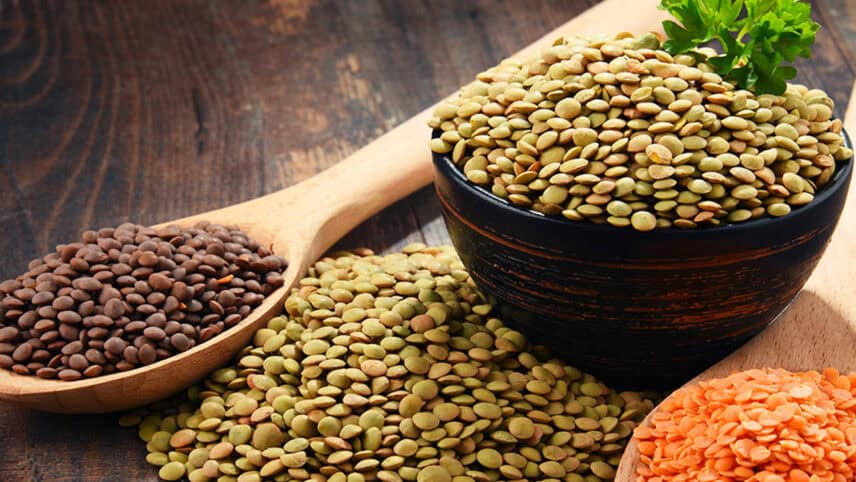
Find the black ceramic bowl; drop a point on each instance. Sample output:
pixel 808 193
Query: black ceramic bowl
pixel 637 309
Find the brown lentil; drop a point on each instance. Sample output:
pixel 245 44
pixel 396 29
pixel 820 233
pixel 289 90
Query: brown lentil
pixel 124 297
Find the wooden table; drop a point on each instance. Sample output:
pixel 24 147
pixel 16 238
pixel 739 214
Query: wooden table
pixel 146 111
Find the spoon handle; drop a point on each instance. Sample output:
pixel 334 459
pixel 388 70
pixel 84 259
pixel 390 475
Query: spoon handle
pixel 325 207
pixel 386 170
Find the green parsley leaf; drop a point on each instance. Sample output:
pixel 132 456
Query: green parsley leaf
pixel 759 39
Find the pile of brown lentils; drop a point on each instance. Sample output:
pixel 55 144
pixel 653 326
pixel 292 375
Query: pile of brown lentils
pixel 391 368
pixel 125 297
pixel 619 131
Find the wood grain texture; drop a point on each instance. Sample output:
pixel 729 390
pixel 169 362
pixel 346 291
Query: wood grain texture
pixel 148 111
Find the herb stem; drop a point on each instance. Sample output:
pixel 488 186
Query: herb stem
pixel 742 33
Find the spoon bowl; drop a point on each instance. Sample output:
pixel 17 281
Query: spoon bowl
pixel 299 223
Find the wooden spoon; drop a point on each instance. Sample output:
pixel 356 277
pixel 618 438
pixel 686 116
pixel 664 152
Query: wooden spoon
pixel 300 223
pixel 817 331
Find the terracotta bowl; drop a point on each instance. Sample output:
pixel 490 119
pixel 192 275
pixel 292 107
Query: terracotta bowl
pixel 636 309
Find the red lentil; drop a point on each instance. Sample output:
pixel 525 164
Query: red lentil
pixel 764 425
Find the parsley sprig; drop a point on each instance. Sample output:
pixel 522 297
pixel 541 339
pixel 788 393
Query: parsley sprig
pixel 757 37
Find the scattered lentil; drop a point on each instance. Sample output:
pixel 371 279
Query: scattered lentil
pixel 483 404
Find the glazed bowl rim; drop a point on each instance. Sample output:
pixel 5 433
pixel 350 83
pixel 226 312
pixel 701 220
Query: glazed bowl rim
pixel 843 171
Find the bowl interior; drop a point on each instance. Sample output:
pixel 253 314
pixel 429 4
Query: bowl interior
pixel 843 170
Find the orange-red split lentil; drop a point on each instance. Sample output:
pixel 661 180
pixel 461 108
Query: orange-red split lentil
pixel 765 425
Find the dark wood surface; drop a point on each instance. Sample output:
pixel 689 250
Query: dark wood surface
pixel 147 111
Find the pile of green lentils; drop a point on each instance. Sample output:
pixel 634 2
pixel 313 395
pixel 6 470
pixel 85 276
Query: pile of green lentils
pixel 619 131
pixel 391 368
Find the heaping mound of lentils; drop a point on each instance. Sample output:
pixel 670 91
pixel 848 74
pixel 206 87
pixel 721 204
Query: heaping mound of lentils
pixel 391 368
pixel 619 131
pixel 128 296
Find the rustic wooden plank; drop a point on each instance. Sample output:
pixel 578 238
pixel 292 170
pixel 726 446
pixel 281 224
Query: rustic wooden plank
pixel 839 17
pixel 829 69
pixel 153 110
pixel 49 447
pixel 17 228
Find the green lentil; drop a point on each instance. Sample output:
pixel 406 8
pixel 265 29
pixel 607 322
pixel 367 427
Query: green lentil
pixel 602 133
pixel 172 471
pixel 461 394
